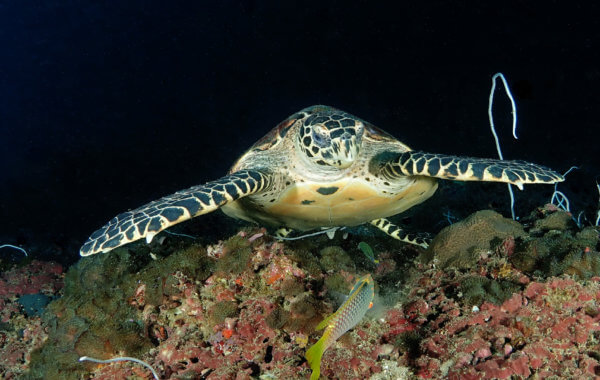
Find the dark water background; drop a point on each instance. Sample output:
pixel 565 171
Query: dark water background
pixel 107 105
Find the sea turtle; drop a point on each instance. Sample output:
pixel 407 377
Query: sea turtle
pixel 321 167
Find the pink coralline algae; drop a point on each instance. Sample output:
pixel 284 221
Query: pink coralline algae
pixel 36 277
pixel 547 329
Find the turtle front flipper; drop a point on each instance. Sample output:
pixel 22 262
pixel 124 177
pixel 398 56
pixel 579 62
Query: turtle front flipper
pixel 150 219
pixel 467 169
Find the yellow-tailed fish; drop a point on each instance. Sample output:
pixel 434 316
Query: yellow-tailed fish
pixel 346 317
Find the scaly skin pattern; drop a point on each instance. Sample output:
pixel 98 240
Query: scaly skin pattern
pixel 346 317
pixel 321 167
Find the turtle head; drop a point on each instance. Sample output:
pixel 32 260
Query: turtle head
pixel 329 137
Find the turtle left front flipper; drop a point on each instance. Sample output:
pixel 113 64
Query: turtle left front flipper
pixel 148 220
pixel 518 173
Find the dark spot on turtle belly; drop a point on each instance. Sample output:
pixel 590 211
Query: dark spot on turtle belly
pixel 327 190
pixel 307 202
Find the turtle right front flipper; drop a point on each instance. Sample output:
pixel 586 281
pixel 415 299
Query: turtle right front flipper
pixel 148 220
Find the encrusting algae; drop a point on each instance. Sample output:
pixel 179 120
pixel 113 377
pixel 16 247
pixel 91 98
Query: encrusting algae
pixel 346 317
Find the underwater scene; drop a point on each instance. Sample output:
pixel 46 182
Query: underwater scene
pixel 315 190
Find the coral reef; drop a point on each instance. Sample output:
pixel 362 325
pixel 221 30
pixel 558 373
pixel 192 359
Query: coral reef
pixel 507 301
pixel 547 329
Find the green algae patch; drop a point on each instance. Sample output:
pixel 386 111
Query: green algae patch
pixel 334 258
pixel 336 283
pixel 237 252
pixel 476 290
pixel 221 310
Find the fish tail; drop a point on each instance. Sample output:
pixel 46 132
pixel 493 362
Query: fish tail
pixel 313 356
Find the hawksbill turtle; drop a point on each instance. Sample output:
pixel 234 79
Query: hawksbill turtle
pixel 319 168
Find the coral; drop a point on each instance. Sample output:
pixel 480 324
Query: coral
pixel 561 250
pixel 558 220
pixel 513 304
pixel 460 244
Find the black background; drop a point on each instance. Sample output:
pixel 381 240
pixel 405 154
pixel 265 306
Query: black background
pixel 107 105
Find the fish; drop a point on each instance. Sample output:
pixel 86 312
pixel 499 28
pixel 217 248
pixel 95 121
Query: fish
pixel 368 251
pixel 346 317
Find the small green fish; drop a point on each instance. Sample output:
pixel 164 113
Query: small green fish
pixel 346 317
pixel 368 251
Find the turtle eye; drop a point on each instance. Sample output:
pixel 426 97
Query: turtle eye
pixel 319 138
